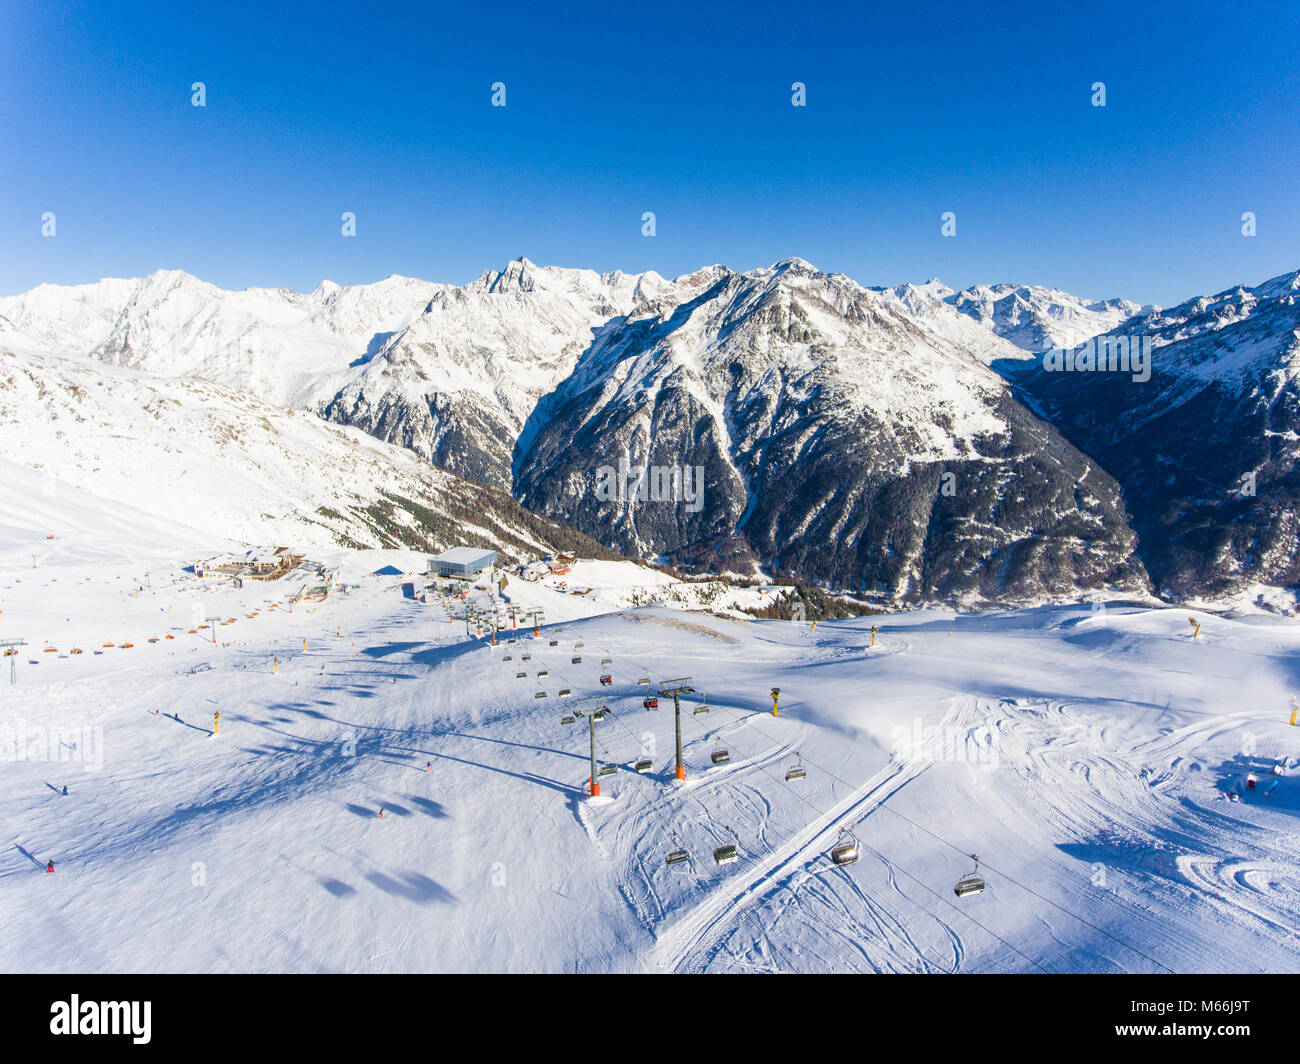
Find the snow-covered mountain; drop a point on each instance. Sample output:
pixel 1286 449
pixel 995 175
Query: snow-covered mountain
pixel 230 467
pixel 839 439
pixel 1206 446
pixel 894 441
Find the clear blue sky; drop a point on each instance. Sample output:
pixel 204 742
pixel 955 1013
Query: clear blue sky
pixel 682 109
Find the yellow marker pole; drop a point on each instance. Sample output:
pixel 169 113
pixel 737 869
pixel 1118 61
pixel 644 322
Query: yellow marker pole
pixel 813 628
pixel 1295 708
pixel 276 662
pixel 216 723
pixel 776 699
pixel 873 635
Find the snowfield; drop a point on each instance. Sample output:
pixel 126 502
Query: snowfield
pixel 1097 760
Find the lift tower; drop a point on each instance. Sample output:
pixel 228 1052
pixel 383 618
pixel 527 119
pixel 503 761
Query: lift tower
pixel 677 688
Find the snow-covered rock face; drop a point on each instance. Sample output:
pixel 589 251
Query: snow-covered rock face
pixel 1206 448
pixel 1038 319
pixel 800 422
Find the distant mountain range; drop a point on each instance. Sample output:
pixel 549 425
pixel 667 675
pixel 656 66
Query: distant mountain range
pixel 907 444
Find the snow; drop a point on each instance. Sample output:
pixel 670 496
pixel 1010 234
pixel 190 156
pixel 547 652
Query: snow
pixel 1087 754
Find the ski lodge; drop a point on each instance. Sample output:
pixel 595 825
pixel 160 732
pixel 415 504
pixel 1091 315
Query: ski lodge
pixel 461 563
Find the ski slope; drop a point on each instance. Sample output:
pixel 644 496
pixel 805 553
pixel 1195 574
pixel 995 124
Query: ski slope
pixel 1089 756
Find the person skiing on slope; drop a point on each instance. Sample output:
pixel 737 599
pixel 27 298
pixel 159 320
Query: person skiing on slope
pixel 50 867
pixel 65 788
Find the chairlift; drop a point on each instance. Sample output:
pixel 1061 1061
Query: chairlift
pixel 677 856
pixel 643 681
pixel 796 771
pixel 650 703
pixel 845 851
pixel 606 680
pixel 540 694
pixel 507 657
pixel 644 765
pixel 543 672
pixel 577 659
pixel 555 642
pixel 720 755
pixel 579 645
pixel 565 692
pixel 727 853
pixel 526 657
pixel 606 770
pixel 568 720
pixel 607 661
pixel 971 882
pixel 600 714
pixel 520 675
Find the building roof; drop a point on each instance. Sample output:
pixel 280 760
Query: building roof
pixel 463 555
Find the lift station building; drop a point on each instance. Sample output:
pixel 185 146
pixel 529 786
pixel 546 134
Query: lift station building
pixel 461 563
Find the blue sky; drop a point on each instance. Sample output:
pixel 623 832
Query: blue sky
pixel 680 109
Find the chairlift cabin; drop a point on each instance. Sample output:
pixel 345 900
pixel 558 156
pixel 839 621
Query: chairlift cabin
pixel 845 851
pixel 677 857
pixel 726 854
pixel 579 645
pixel 971 882
pixel 643 680
pixel 650 703
pixel 607 661
pixel 600 714
pixel 540 694
pixel 555 642
pixel 568 720
pixel 644 765
pixel 565 692
pixel 796 771
pixel 543 672
pixel 606 680
pixel 607 770
pixel 526 657
pixel 520 675
pixel 577 659
pixel 721 755
pixel 506 657
pixel 703 707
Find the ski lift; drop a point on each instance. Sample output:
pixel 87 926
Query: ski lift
pixel 846 850
pixel 703 707
pixel 540 694
pixel 727 853
pixel 555 642
pixel 677 856
pixel 600 714
pixel 796 771
pixel 644 765
pixel 543 672
pixel 565 692
pixel 971 882
pixel 577 659
pixel 607 770
pixel 520 675
pixel 507 657
pixel 650 703
pixel 568 720
pixel 721 755
pixel 579 645
pixel 607 661
pixel 526 657
pixel 643 680
pixel 606 680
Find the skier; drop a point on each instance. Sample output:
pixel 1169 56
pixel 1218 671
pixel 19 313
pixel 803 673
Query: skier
pixel 50 867
pixel 428 767
pixel 65 788
pixel 381 813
